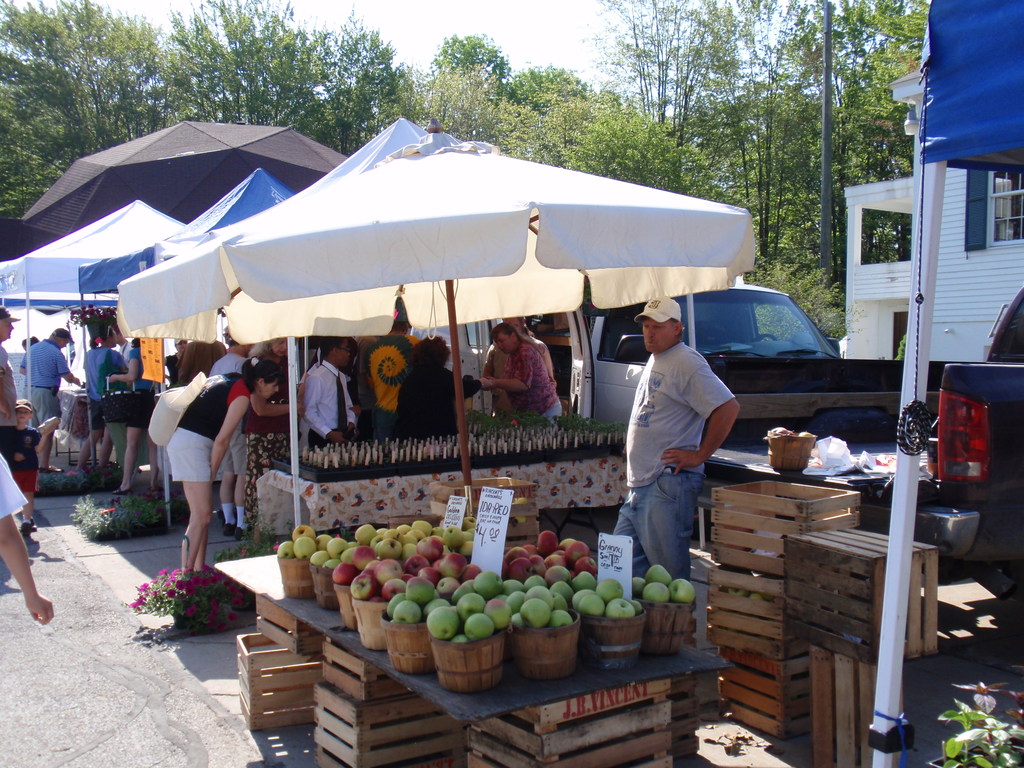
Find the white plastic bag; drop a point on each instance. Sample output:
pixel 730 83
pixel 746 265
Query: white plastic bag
pixel 834 455
pixel 170 406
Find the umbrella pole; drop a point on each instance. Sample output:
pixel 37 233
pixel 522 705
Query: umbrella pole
pixel 460 396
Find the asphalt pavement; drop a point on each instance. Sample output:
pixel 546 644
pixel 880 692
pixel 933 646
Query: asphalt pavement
pixel 102 686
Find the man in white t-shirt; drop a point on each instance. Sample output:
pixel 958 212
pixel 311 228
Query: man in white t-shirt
pixel 12 547
pixel 666 444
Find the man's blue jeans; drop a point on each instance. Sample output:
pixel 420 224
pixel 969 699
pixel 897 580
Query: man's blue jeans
pixel 659 519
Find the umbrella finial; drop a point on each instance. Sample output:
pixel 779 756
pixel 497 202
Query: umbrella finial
pixel 434 127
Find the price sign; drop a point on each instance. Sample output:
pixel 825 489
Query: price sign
pixel 615 561
pixel 455 512
pixel 492 513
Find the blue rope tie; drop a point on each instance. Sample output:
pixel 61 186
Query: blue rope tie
pixel 900 721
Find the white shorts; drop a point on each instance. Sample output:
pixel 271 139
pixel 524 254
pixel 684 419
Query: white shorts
pixel 234 459
pixel 189 455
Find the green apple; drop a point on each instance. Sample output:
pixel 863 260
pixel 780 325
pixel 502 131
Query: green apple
pixel 618 608
pixel 499 612
pixel 535 612
pixel 608 589
pixel 286 551
pixel 638 586
pixel 591 604
pixel 543 593
pixel 559 603
pixel 479 626
pixel 580 595
pixel 319 557
pixel 534 581
pixel 322 541
pixel 682 591
pixel 443 622
pixel 460 638
pixel 438 602
pixel 487 584
pixel 515 601
pixel 656 592
pixel 336 546
pixel 583 580
pixel 407 612
pixel 517 620
pixel 304 547
pixel 560 619
pixel 466 588
pixel 562 588
pixel 393 604
pixel 512 585
pixel 469 604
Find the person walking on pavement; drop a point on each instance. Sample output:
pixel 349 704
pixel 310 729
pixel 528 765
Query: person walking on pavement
pixel 328 404
pixel 18 447
pixel 232 477
pixel 8 389
pixel 47 365
pixel 666 445
pixel 12 548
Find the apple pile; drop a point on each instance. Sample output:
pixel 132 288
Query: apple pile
pixel 606 599
pixel 658 586
pixel 569 554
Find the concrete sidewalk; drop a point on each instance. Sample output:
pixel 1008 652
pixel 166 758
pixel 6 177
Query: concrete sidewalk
pixel 102 686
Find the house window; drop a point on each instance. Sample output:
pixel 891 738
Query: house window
pixel 1007 206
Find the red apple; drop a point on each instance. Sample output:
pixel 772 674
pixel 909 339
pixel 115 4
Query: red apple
pixel 557 573
pixel 431 548
pixel 446 587
pixel 519 569
pixel 414 563
pixel 364 586
pixel 513 553
pixel 363 556
pixel 575 551
pixel 430 573
pixel 547 542
pixel 537 565
pixel 453 564
pixel 588 564
pixel 471 572
pixel 387 570
pixel 531 549
pixel 391 588
pixel 344 573
pixel 556 558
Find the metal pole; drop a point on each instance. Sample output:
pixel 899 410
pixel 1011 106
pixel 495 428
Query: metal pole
pixel 825 245
pixel 293 425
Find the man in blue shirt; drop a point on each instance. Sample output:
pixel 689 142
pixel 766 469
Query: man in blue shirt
pixel 46 362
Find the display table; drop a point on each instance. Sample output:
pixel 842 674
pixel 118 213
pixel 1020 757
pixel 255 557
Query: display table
pixel 515 692
pixel 596 482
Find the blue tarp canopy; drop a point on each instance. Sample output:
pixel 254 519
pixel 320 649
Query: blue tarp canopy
pixel 975 74
pixel 259 191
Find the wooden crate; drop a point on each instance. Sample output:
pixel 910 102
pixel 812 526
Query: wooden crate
pixel 627 725
pixel 285 629
pixel 834 592
pixel 357 678
pixel 744 623
pixel 769 695
pixel 751 521
pixel 275 686
pixel 685 716
pixel 404 730
pixel 843 690
pixel 524 495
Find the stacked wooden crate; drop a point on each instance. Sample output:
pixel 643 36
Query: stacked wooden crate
pixel 286 630
pixel 628 725
pixel 275 684
pixel 834 591
pixel 769 685
pixel 524 520
pixel 365 719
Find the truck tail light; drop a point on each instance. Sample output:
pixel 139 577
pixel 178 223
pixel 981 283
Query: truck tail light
pixel 963 439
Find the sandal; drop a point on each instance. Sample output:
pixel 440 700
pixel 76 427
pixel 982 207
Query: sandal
pixel 120 492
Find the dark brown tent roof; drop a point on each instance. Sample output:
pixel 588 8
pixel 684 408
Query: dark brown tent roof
pixel 181 171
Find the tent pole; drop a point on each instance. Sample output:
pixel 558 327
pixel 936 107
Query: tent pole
pixel 293 426
pixel 460 395
pixel 888 689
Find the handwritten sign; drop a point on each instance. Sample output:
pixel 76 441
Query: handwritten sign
pixel 455 512
pixel 615 561
pixel 152 359
pixel 492 513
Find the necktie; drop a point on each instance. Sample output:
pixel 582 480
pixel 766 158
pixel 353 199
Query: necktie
pixel 340 387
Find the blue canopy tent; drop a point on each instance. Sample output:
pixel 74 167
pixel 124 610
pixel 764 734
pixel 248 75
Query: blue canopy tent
pixel 257 192
pixel 973 72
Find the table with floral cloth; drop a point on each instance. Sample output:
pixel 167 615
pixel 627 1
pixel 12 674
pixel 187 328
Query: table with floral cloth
pixel 594 482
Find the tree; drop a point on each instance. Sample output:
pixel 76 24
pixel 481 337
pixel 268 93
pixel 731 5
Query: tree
pixel 474 54
pixel 74 79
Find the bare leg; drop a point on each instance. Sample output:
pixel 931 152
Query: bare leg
pixel 154 463
pixel 105 448
pixel 200 505
pixel 131 454
pixel 44 450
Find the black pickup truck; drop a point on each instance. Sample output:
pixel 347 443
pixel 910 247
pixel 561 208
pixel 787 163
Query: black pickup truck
pixel 784 373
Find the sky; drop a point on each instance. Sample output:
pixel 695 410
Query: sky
pixel 529 32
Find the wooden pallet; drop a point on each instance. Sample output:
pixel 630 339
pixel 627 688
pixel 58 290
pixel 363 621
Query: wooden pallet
pixel 752 520
pixel 286 630
pixel 842 689
pixel 275 685
pixel 769 695
pixel 403 730
pixel 357 678
pixel 627 725
pixel 744 623
pixel 685 716
pixel 835 587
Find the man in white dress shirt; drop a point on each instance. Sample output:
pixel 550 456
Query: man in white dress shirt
pixel 328 406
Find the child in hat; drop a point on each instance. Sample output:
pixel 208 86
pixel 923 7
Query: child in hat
pixel 19 450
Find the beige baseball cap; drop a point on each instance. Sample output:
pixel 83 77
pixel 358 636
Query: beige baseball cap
pixel 660 309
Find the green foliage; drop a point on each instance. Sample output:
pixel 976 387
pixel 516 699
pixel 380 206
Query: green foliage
pixel 256 542
pixel 474 54
pixel 824 304
pixel 75 482
pixel 201 601
pixel 99 523
pixel 984 741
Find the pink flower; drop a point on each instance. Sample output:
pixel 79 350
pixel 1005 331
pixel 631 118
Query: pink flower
pixel 191 610
pixel 172 593
pixel 232 616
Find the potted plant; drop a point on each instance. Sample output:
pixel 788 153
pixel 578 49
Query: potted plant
pixel 200 601
pixel 95 319
pixel 985 740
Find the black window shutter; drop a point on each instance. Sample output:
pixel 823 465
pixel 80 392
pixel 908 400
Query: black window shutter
pixel 976 229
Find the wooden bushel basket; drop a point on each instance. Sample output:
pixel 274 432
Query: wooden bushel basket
pixel 667 627
pixel 348 613
pixel 469 667
pixel 368 614
pixel 790 451
pixel 408 646
pixel 323 587
pixel 546 654
pixel 611 643
pixel 296 578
